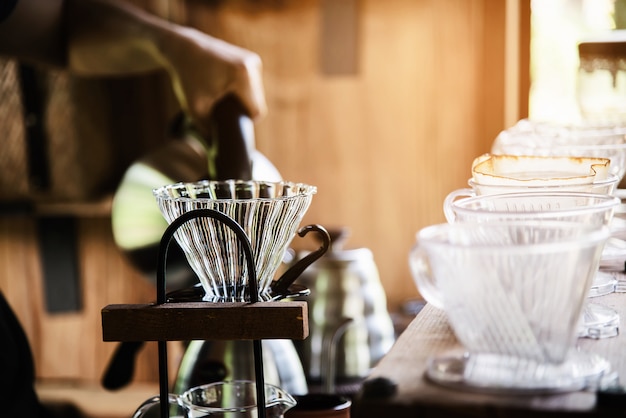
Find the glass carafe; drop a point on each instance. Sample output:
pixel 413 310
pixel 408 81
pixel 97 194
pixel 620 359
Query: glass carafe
pixel 233 399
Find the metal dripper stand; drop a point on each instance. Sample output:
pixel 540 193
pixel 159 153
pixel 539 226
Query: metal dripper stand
pixel 202 320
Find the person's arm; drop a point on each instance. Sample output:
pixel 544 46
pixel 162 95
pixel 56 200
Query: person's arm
pixel 108 37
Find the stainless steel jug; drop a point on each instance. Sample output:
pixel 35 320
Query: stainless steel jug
pixel 350 328
pixel 213 361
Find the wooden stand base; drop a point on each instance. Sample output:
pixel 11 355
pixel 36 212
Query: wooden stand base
pixel 205 321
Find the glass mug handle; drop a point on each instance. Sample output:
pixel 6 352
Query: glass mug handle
pixel 423 276
pixel 451 198
pixel 150 407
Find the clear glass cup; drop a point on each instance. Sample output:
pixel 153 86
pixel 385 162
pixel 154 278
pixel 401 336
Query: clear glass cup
pixel 535 138
pixel 585 208
pixel 268 212
pixel 606 186
pixel 530 171
pixel 597 320
pixel 513 292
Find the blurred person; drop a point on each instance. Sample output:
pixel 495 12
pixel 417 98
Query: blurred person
pixel 113 38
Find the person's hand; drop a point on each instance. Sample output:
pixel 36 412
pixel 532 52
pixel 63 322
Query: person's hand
pixel 204 69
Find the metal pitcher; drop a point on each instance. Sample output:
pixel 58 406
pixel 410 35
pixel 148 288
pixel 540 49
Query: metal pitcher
pixel 350 328
pixel 213 361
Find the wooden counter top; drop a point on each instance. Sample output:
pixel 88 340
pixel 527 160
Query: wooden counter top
pixel 93 401
pixel 429 334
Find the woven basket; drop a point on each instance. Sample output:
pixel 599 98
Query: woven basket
pixel 89 141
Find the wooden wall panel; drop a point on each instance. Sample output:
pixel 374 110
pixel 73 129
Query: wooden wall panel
pixel 68 345
pixel 384 145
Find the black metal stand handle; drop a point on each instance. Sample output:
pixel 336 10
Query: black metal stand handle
pixel 161 298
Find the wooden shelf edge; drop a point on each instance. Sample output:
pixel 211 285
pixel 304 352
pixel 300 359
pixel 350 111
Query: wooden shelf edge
pixel 93 208
pixel 205 321
pixel 92 400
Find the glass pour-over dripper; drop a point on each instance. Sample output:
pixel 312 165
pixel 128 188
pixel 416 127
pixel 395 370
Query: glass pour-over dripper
pixel 268 212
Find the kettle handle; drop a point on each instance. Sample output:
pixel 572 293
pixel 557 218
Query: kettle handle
pixel 228 136
pixel 281 285
pixel 233 138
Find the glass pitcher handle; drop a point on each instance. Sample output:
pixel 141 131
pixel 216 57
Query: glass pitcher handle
pixel 423 276
pixel 451 198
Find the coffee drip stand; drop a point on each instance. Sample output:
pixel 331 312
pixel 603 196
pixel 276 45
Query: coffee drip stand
pixel 254 320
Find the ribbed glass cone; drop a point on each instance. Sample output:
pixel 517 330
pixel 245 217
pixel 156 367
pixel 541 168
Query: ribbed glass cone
pixel 269 213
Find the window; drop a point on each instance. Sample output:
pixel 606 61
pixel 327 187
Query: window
pixel 556 28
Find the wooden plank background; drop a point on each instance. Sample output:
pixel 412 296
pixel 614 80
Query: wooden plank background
pixel 384 138
pixel 384 145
